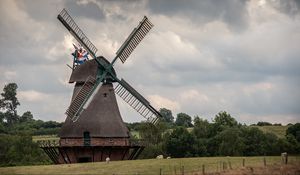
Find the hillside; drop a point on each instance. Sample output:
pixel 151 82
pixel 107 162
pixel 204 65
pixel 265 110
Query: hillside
pixel 279 131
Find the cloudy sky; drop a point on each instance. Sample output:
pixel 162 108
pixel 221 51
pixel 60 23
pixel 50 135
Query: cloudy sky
pixel 200 58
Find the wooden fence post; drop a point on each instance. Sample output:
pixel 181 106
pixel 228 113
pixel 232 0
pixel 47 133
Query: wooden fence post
pixel 221 166
pixel 224 166
pixel 265 162
pixel 229 164
pixel 175 170
pixel 284 158
pixel 160 171
pixel 203 169
pixel 182 170
pixel 243 162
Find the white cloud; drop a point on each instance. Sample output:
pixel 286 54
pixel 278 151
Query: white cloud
pixel 32 96
pixel 245 61
pixel 9 75
pixel 161 102
pixel 265 87
pixel 193 95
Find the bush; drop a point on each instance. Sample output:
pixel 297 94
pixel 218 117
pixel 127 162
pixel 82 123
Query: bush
pixel 20 150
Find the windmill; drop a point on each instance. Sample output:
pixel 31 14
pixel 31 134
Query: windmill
pixel 94 129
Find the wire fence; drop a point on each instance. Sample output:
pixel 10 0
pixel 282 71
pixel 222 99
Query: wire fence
pixel 218 167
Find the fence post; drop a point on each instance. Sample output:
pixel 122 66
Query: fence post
pixel 224 166
pixel 229 164
pixel 243 162
pixel 221 166
pixel 160 171
pixel 284 158
pixel 182 170
pixel 175 170
pixel 203 169
pixel 265 162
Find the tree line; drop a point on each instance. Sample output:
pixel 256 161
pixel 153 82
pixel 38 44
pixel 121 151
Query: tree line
pixel 182 136
pixel 16 131
pixel 224 136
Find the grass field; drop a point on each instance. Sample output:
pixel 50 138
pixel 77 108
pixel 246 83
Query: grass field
pixel 45 137
pixel 149 166
pixel 279 131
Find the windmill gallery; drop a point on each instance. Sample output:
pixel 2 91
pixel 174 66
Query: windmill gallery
pixel 93 129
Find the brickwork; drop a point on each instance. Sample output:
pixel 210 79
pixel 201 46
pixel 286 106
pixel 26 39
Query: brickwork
pixel 92 154
pixel 94 142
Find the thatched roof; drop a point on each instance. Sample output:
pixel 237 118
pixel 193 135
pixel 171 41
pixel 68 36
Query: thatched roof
pixel 102 117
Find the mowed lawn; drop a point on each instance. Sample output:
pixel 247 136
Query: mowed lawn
pixel 149 166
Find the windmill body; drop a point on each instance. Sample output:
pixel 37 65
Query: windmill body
pixel 94 129
pixel 100 131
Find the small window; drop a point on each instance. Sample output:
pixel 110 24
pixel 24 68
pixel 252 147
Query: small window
pixel 86 138
pixel 105 94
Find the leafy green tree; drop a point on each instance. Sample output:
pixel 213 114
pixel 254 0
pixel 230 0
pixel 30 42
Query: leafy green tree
pixel 283 145
pixel 294 146
pixel 270 144
pixel 225 119
pixel 151 133
pixel 9 103
pixel 20 150
pixel 201 128
pixel 264 124
pixel 180 143
pixel 26 117
pixel 183 120
pixel 151 151
pixel 200 147
pixel 230 142
pixel 253 140
pixel 295 131
pixel 167 115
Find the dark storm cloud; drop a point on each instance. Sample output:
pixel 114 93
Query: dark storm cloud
pixel 232 12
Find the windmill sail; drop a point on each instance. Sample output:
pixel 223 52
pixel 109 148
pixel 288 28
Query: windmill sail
pixel 134 39
pixel 82 98
pixel 137 101
pixel 70 24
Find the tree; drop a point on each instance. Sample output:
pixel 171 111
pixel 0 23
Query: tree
pixel 225 119
pixel 20 150
pixel 294 146
pixel 201 128
pixel 26 117
pixel 270 144
pixel 9 103
pixel 183 120
pixel 167 115
pixel 253 139
pixel 230 142
pixel 295 131
pixel 151 133
pixel 264 124
pixel 180 143
pixel 200 147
